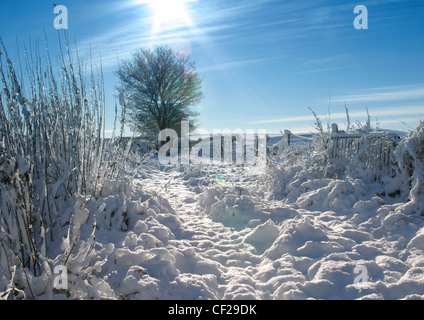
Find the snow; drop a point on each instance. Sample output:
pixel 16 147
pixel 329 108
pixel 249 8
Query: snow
pixel 228 232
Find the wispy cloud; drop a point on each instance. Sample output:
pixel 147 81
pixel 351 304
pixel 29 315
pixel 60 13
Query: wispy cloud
pixel 325 69
pixel 233 64
pixel 396 111
pixel 219 22
pixel 213 24
pixel 326 60
pixel 282 120
pixel 393 93
pixel 125 39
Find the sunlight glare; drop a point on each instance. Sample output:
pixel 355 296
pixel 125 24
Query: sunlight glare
pixel 169 14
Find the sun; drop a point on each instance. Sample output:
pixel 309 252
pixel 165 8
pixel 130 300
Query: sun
pixel 169 14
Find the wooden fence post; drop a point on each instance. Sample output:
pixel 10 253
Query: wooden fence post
pixel 286 138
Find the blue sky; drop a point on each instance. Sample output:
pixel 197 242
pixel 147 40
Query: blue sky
pixel 263 63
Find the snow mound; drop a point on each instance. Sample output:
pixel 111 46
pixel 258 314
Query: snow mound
pixel 417 242
pixel 263 236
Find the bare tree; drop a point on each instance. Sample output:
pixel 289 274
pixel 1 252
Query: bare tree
pixel 161 87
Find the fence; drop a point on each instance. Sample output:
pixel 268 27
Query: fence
pixel 277 145
pixel 373 151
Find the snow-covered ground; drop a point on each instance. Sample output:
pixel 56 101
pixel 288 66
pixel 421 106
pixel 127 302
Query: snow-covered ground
pixel 221 232
pixel 236 232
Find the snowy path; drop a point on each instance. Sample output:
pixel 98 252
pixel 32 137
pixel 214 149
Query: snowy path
pixel 224 233
pixel 219 249
pixel 231 240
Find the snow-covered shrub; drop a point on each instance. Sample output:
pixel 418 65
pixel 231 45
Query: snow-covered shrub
pixel 409 180
pixel 394 164
pixel 362 152
pixel 52 148
pixel 16 205
pixel 293 167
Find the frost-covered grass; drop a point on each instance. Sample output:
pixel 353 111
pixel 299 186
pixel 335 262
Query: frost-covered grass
pixel 391 160
pixel 53 158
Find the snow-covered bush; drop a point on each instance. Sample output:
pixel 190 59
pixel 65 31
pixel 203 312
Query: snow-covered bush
pixel 53 150
pixel 393 164
pixel 409 181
